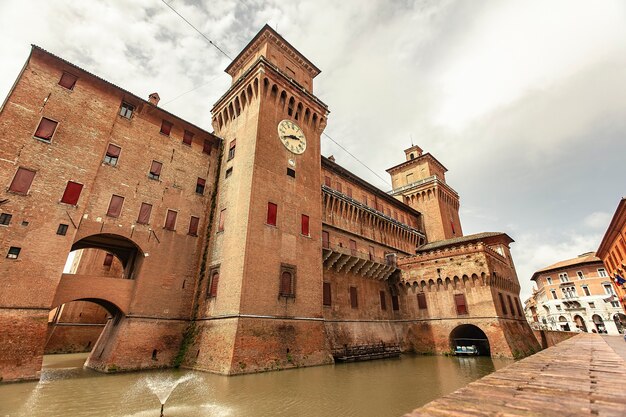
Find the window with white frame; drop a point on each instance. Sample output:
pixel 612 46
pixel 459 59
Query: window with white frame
pixel 549 280
pixel 554 296
pixel 580 275
pixel 608 289
pixel 602 272
pixel 563 277
pixel 586 290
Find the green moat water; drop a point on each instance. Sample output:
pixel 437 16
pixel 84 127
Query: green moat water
pixel 389 387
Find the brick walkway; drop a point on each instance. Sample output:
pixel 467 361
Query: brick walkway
pixel 578 377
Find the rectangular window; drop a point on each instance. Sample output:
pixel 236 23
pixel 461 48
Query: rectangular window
pixel 200 184
pixel 592 305
pixel 502 305
pixel 112 155
pixel 166 127
pixel 5 219
pixel 325 240
pixel 144 213
pixel 231 149
pixel 287 282
pixel 383 300
pixel 395 303
pixel 327 300
pixel 580 275
pixel 46 129
pixel 108 260
pixel 215 279
pixel 14 252
pixel 421 301
pixel 365 200
pixel 608 289
pixel 222 220
pixel 518 308
pixel 586 290
pixel 327 181
pixel 353 247
pixel 72 193
pixel 304 225
pixel 291 172
pixel 68 80
pixel 62 229
pixel 354 300
pixel 602 272
pixel 272 210
pixel 206 147
pixel 187 137
pixel 193 225
pixel 511 305
pixel 339 187
pixel 229 172
pixel 115 206
pixel 349 191
pixel 554 296
pixel 549 280
pixel 170 220
pixel 22 180
pixel 126 110
pixel 461 305
pixel 155 170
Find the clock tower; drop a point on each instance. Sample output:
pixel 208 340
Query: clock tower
pixel 262 295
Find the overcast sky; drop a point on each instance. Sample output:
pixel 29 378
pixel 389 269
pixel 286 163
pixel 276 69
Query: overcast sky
pixel 523 101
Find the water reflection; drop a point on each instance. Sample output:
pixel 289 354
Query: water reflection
pixel 381 388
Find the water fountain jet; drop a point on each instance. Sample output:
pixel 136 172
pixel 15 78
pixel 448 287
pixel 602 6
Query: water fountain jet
pixel 163 387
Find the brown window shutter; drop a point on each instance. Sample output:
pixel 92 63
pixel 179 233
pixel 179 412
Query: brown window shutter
pixel 166 127
pixel 325 240
pixel 155 168
pixel 349 191
pixel 215 278
pixel 193 225
pixel 113 151
pixel 395 303
pixel 461 306
pixel 327 181
pixel 115 206
pixel 68 81
pixel 144 213
pixel 108 260
pixel 354 301
pixel 383 301
pixel 339 187
pixel 170 220
pixel 286 283
pixel 421 301
pixel 187 137
pixel 327 294
pixel 22 180
pixel 206 147
pixel 72 193
pixel 46 129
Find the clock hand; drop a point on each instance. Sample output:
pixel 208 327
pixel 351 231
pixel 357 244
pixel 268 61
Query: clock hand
pixel 292 137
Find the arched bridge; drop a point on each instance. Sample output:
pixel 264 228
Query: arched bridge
pixel 111 293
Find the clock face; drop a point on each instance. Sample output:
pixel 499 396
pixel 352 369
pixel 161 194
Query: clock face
pixel 292 136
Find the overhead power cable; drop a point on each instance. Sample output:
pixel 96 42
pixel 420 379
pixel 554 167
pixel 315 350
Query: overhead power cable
pixel 357 159
pixel 197 30
pixel 193 89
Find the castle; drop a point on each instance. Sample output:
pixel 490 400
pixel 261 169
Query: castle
pixel 236 251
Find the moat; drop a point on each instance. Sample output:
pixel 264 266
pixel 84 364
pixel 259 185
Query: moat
pixel 389 387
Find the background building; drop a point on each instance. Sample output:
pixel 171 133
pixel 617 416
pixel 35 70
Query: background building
pixel 575 295
pixel 612 250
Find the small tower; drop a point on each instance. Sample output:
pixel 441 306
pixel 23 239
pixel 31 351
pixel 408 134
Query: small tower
pixel 420 182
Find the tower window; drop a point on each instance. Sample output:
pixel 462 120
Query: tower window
pixel 155 170
pixel 5 219
pixel 22 180
pixel 200 184
pixel 287 281
pixel 412 156
pixel 187 137
pixel 126 110
pixel 206 147
pixel 383 301
pixel 144 213
pixel 327 299
pixel 290 106
pixel 62 229
pixel 231 149
pixel 46 129
pixel 72 193
pixel 339 187
pixel 112 155
pixel 166 127
pixel 327 181
pixel 395 303
pixel 229 172
pixel 68 81
pixel 215 278
pixel 325 239
pixel 193 225
pixel 170 220
pixel 108 260
pixel 349 192
pixel 461 304
pixel 502 305
pixel 421 301
pixel 291 172
pixel 115 206
pixel 222 219
pixel 272 210
pixel 304 225
pixel 14 252
pixel 354 299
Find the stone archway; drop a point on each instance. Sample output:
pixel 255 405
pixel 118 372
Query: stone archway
pixel 468 335
pixel 580 323
pixel 599 323
pixel 620 322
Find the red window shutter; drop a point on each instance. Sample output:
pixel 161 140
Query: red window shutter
pixel 339 187
pixel 233 143
pixel 187 137
pixel 170 220
pixel 327 181
pixel 215 278
pixel 72 193
pixel 22 180
pixel 222 220
pixel 115 206
pixel 354 301
pixel 108 260
pixel 327 294
pixel 46 129
pixel 144 213
pixel 271 213
pixel 395 304
pixel 68 81
pixel 155 168
pixel 305 225
pixel 113 151
pixel 461 306
pixel 421 301
pixel 193 226
pixel 383 301
pixel 325 240
pixel 286 281
pixel 349 192
pixel 206 147
pixel 166 127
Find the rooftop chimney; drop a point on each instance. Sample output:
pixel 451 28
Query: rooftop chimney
pixel 332 158
pixel 154 98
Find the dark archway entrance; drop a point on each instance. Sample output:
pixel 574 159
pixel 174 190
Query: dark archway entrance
pixel 620 322
pixel 580 323
pixel 470 335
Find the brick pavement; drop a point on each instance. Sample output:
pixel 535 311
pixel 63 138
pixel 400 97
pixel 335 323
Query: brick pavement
pixel 578 377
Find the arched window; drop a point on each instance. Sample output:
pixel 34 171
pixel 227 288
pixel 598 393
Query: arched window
pixel 290 107
pixel 215 278
pixel 287 282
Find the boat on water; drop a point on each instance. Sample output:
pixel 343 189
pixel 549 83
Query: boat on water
pixel 471 350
